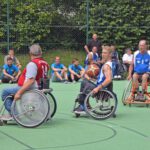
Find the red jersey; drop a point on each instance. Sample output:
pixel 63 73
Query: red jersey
pixel 42 71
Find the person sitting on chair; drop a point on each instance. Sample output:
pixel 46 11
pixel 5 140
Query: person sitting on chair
pixel 76 71
pixel 104 80
pixel 36 69
pixel 140 66
pixel 11 72
pixel 59 71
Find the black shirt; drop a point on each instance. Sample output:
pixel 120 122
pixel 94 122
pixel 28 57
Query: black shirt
pixel 93 43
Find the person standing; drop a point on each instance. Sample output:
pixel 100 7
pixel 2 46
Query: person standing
pixel 94 42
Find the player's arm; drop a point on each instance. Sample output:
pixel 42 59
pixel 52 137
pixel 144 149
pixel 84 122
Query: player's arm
pixel 108 74
pixel 24 88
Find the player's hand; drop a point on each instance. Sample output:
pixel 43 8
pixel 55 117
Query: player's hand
pixel 17 97
pixel 95 90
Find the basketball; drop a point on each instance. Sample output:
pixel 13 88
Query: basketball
pixel 93 70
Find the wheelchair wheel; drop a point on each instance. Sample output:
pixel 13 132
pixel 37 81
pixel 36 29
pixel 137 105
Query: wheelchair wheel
pixel 101 105
pixel 31 110
pixel 127 92
pixel 53 104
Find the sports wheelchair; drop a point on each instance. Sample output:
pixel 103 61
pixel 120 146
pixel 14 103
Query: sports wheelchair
pixel 127 93
pixel 34 108
pixel 98 106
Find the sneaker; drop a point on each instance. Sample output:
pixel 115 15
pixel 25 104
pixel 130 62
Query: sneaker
pixel 66 82
pixel 73 81
pixel 79 110
pixel 119 76
pixel 6 117
pixel 115 77
pixel 140 97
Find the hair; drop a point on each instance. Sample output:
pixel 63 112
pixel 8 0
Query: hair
pixel 57 57
pixel 9 58
pixel 11 49
pixel 35 50
pixel 74 60
pixel 127 49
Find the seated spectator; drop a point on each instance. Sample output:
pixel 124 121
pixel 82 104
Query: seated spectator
pixel 59 71
pixel 15 60
pixel 10 72
pixel 127 58
pixel 76 71
pixel 94 56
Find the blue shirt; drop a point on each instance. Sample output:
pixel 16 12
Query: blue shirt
pixel 75 68
pixel 10 69
pixel 95 57
pixel 57 66
pixel 141 62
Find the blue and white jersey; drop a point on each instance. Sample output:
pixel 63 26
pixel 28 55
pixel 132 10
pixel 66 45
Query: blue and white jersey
pixel 141 62
pixel 101 76
pixel 95 57
pixel 75 68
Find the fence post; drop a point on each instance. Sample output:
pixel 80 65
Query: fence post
pixel 8 26
pixel 87 21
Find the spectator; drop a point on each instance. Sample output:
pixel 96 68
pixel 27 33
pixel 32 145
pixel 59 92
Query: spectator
pixel 10 72
pixel 127 58
pixel 15 60
pixel 115 62
pixel 94 42
pixel 76 71
pixel 94 55
pixel 59 71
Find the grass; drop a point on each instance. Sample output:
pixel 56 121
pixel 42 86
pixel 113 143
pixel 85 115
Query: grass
pixel 65 55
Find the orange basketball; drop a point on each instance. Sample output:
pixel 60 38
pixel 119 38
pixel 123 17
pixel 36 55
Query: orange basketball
pixel 93 70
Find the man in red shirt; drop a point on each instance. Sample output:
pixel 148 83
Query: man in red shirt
pixel 36 69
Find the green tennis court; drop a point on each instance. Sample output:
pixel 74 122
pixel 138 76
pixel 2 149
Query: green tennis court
pixel 129 130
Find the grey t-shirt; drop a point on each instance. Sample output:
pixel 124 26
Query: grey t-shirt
pixel 15 60
pixel 31 72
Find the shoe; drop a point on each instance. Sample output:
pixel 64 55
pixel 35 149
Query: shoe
pixel 79 110
pixel 140 97
pixel 119 76
pixel 6 117
pixel 73 81
pixel 115 77
pixel 66 82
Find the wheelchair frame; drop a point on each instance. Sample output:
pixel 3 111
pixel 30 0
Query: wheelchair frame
pixel 47 97
pixel 127 92
pixel 99 97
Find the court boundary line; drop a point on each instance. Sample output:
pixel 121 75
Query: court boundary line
pixel 16 140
